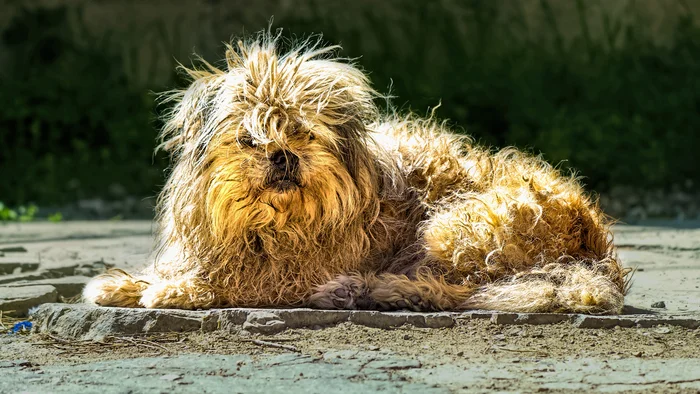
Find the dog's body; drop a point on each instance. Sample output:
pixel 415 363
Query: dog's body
pixel 289 188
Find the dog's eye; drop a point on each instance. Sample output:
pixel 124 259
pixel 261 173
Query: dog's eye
pixel 246 141
pixel 312 137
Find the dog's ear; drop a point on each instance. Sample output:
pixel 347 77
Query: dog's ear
pixel 352 146
pixel 340 91
pixel 340 95
pixel 351 106
pixel 187 114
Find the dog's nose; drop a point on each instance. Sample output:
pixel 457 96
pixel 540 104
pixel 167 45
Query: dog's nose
pixel 284 160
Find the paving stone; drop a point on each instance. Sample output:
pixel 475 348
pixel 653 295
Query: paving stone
pixel 396 319
pixel 35 232
pixel 439 320
pixel 651 321
pixel 378 319
pixel 49 273
pixel 67 286
pixel 4 279
pixel 529 318
pixel 21 299
pixel 224 319
pixel 584 321
pixel 642 321
pixel 11 265
pixel 264 322
pixel 303 317
pixel 478 314
pixel 13 249
pixel 92 268
pixel 81 321
pixel 65 270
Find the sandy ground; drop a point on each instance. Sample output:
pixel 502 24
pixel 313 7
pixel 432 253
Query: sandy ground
pixel 475 356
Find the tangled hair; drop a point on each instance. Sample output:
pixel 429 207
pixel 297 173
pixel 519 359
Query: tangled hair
pixel 290 187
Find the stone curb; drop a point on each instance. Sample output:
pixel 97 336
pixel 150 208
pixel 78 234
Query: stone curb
pixel 19 301
pixel 66 286
pixel 88 322
pixel 11 266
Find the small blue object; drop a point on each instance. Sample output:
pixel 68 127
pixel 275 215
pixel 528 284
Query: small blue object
pixel 21 326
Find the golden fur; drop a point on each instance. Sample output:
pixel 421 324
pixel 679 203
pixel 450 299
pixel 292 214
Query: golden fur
pixel 290 188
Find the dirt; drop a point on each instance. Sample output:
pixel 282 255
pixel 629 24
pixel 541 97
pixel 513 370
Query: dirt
pixel 475 340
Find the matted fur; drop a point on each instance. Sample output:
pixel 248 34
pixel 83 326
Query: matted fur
pixel 376 211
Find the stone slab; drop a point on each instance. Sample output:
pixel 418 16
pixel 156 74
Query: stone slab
pixel 13 249
pixel 81 321
pixel 47 273
pixel 31 276
pixel 10 266
pixel 20 300
pixel 26 234
pixel 67 286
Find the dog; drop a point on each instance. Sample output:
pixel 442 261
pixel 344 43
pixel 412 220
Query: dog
pixel 290 187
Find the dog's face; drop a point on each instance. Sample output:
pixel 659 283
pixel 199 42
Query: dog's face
pixel 278 141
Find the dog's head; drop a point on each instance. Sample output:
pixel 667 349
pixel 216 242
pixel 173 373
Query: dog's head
pixel 273 141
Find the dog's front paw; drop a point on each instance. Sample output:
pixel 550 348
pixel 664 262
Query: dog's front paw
pixel 162 295
pixel 399 301
pixel 179 294
pixel 345 292
pixel 114 288
pixel 396 295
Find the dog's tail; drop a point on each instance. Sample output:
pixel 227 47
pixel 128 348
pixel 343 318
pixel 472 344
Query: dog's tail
pixel 115 288
pixel 582 287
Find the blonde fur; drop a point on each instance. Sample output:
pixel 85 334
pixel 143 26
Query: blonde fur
pixel 378 211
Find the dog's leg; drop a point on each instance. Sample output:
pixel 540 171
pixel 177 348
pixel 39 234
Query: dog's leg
pixel 531 242
pixel 115 288
pixel 344 292
pixel 118 288
pixel 424 293
pixel 389 292
pixel 572 288
pixel 180 293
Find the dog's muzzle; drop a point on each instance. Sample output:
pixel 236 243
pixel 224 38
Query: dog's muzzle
pixel 284 170
pixel 285 161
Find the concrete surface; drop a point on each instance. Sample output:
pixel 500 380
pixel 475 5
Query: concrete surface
pixel 344 372
pixel 668 266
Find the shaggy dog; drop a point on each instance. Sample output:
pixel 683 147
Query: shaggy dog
pixel 290 188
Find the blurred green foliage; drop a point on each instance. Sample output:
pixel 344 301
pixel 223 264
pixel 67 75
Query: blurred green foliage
pixel 70 123
pixel 55 217
pixel 622 108
pixel 21 214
